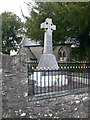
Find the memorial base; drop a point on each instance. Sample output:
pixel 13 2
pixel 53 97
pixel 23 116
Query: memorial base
pixel 44 81
pixel 48 61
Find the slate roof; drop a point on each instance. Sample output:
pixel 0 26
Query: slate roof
pixel 26 42
pixel 27 51
pixel 37 51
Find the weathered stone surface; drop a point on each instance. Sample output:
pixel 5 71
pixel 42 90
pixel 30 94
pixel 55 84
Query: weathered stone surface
pixel 48 27
pixel 48 60
pixel 0 86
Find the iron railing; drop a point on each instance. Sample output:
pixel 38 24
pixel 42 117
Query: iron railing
pixel 43 83
pixel 67 64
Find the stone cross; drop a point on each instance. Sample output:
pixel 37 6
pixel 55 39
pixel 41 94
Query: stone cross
pixel 47 59
pixel 49 27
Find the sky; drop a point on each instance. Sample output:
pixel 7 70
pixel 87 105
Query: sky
pixel 14 6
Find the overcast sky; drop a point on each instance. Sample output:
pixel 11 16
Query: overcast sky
pixel 14 6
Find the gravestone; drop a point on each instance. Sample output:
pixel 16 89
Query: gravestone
pixel 48 60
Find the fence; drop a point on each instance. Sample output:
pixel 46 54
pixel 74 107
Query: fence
pixel 70 77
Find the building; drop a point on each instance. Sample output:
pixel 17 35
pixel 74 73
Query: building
pixel 34 50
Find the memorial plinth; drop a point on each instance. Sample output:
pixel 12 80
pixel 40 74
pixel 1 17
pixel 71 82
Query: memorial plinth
pixel 48 60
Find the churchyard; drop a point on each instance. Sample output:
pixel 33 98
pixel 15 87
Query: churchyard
pixel 15 103
pixel 44 89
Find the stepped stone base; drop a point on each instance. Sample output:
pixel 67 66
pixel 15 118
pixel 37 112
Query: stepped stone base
pixel 48 61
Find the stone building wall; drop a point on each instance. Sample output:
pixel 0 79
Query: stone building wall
pixel 15 97
pixel 35 52
pixel 63 48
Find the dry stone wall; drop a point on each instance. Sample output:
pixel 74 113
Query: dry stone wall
pixel 0 86
pixel 15 97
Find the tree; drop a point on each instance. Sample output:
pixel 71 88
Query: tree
pixel 80 27
pixel 38 15
pixel 12 28
pixel 71 19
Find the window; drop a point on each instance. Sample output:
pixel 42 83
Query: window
pixel 64 56
pixel 61 57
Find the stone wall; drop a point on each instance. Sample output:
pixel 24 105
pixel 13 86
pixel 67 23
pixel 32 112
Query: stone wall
pixel 0 86
pixel 15 97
